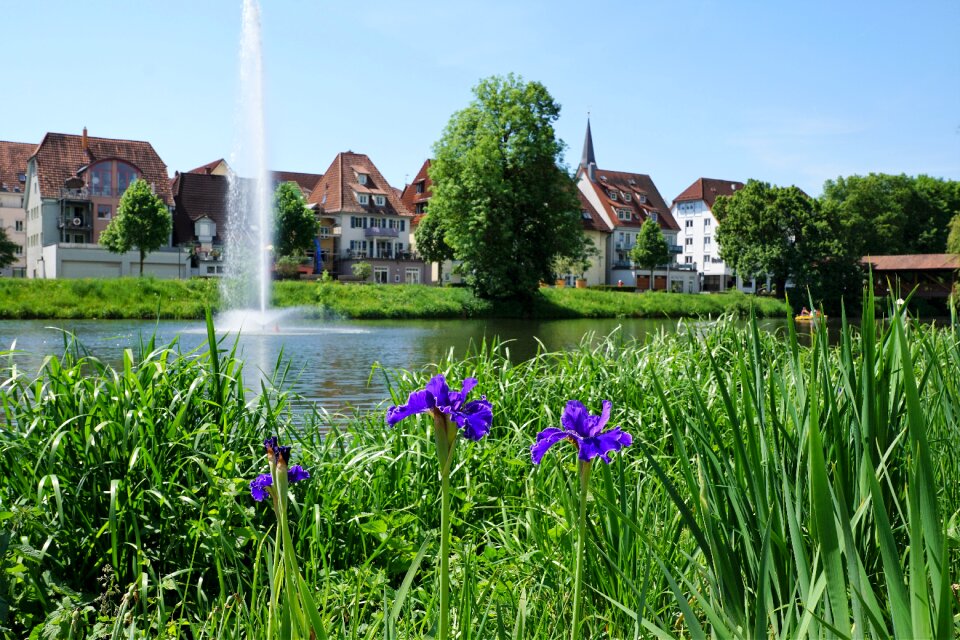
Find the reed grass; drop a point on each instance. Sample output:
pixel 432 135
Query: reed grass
pixel 774 490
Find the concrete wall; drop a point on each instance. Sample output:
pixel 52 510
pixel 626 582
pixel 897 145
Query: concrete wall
pixel 12 213
pixel 93 261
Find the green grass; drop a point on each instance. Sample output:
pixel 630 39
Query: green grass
pixel 774 490
pixel 148 298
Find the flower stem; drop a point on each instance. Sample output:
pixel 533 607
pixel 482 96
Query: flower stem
pixel 584 469
pixel 445 553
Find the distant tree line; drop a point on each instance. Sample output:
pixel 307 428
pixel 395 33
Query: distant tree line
pixel 818 243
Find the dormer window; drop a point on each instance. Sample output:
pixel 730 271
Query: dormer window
pixel 363 198
pixel 641 198
pixel 379 200
pixel 362 178
pixel 612 194
pixel 626 196
pixel 624 214
pixel 585 215
pixel 420 187
pixel 654 216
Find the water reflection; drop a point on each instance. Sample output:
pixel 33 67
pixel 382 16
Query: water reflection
pixel 329 362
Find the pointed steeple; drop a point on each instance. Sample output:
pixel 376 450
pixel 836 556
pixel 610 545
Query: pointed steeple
pixel 588 162
pixel 588 157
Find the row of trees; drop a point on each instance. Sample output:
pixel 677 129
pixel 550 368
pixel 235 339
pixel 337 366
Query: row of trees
pixel 818 242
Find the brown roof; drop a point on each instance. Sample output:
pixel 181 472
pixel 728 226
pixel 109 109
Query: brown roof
pixel 410 197
pixel 634 184
pixel 708 189
pixel 914 262
pixel 209 167
pixel 306 181
pixel 334 191
pixel 592 221
pixel 197 195
pixel 13 164
pixel 61 155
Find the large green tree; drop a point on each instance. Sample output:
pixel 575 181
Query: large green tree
pixel 651 249
pixel 142 221
pixel 783 232
pixel 953 238
pixel 8 249
pixel 892 214
pixel 295 226
pixel 506 206
pixel 431 243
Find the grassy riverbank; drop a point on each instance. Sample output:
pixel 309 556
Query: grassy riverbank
pixel 773 490
pixel 175 299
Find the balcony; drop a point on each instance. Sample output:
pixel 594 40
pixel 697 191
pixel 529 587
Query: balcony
pixel 675 248
pixel 75 194
pixel 625 246
pixel 378 232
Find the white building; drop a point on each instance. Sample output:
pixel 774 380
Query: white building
pixel 13 185
pixel 693 211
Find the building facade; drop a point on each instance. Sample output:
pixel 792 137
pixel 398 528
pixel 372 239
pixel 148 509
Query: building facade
pixel 367 221
pixel 74 184
pixel 693 210
pixel 13 186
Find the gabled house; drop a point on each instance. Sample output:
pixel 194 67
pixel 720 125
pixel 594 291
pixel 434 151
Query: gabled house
pixel 13 186
pixel 416 195
pixel 693 209
pixel 624 201
pixel 74 184
pixel 368 220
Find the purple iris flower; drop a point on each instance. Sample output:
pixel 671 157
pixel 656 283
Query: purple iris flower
pixel 472 417
pixel 296 473
pixel 584 430
pixel 258 486
pixel 280 455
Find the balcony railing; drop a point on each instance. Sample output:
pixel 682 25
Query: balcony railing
pixel 75 194
pixel 675 248
pixel 379 232
pixel 367 255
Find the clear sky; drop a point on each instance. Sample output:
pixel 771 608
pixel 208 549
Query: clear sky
pixel 786 92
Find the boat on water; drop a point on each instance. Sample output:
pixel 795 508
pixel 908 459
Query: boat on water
pixel 809 317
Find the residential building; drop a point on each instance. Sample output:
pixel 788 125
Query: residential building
pixel 369 222
pixel 416 197
pixel 13 186
pixel 926 276
pixel 201 203
pixel 623 201
pixel 693 210
pixel 74 184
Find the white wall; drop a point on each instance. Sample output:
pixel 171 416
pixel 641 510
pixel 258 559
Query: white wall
pixel 93 261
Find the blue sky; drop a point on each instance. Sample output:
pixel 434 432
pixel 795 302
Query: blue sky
pixel 790 93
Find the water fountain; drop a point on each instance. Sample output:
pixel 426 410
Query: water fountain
pixel 246 285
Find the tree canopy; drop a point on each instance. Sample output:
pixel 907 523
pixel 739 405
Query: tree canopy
pixel 651 249
pixel 953 238
pixel 142 221
pixel 505 204
pixel 783 232
pixel 431 243
pixel 893 214
pixel 295 226
pixel 8 249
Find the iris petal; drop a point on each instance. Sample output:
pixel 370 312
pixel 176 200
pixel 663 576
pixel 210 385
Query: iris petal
pixel 546 439
pixel 258 486
pixel 474 418
pixel 418 402
pixel 296 473
pixel 574 417
pixel 439 389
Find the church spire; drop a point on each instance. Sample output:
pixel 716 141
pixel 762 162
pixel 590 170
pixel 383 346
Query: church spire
pixel 588 162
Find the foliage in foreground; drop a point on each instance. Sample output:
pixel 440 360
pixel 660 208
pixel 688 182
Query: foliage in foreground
pixel 773 490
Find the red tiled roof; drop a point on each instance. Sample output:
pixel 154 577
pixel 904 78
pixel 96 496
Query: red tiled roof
pixel 306 181
pixel 708 189
pixel 61 155
pixel 590 218
pixel 13 164
pixel 197 195
pixel 914 262
pixel 635 184
pixel 334 191
pixel 209 167
pixel 410 197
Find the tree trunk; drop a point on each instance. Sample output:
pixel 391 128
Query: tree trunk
pixel 651 279
pixel 142 256
pixel 780 282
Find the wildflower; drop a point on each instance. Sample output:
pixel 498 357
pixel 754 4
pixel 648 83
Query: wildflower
pixel 585 432
pixel 279 457
pixel 258 486
pixel 473 417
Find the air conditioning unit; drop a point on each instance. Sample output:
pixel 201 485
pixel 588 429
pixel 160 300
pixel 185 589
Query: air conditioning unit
pixel 78 222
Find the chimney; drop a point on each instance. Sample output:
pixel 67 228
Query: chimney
pixel 86 146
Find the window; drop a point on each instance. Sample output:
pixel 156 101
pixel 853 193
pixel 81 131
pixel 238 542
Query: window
pixel 125 175
pixel 403 225
pixel 688 242
pixel 706 222
pixel 623 214
pixel 612 194
pixel 324 232
pixel 412 276
pixel 642 198
pixel 358 222
pixel 626 196
pixel 363 198
pixel 379 200
pixel 706 241
pixel 420 187
pixel 689 224
pixel 18 225
pixel 101 179
pixel 688 260
pixel 362 178
pixel 19 250
pixel 104 211
pixel 654 216
pixel 706 259
pixel 420 207
pixel 585 215
pixel 381 275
